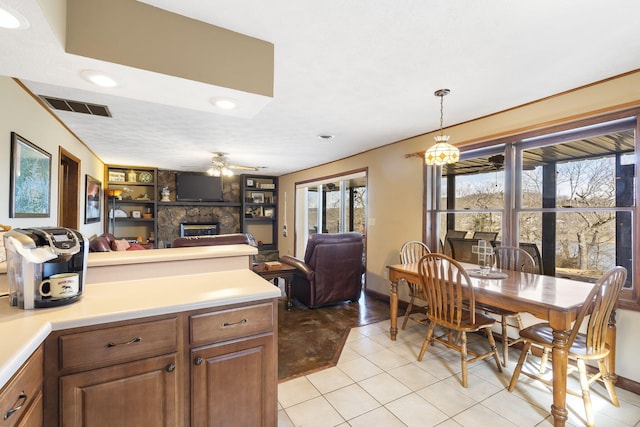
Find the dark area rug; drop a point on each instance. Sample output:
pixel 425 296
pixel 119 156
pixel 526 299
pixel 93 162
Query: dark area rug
pixel 312 339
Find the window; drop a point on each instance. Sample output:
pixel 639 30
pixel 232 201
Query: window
pixel 569 195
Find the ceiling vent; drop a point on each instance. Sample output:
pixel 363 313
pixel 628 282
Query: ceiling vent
pixel 76 106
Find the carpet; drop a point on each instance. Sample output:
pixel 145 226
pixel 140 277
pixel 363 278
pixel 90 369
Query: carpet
pixel 312 339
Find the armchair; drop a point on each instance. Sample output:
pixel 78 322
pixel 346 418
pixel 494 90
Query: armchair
pixel 331 271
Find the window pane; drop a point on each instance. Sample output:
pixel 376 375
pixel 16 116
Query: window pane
pixel 591 172
pixel 585 244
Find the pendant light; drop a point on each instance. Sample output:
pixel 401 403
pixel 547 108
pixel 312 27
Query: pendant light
pixel 442 152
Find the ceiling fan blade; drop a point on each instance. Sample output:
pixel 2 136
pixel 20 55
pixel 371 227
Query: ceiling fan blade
pixel 244 168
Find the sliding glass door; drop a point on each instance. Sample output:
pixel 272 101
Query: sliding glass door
pixel 332 205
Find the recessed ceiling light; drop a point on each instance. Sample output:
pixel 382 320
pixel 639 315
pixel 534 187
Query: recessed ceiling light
pixel 98 78
pixel 11 19
pixel 224 103
pixel 325 137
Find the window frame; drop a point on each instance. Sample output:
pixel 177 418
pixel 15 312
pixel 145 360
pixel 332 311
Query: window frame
pixel 512 146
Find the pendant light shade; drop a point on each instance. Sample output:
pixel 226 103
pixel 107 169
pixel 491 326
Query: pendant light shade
pixel 442 152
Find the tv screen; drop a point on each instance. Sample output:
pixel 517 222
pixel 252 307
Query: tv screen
pixel 198 188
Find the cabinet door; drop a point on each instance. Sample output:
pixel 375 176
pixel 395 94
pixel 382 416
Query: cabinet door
pixel 235 384
pixel 142 393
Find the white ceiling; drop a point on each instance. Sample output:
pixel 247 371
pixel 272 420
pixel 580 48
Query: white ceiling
pixel 362 70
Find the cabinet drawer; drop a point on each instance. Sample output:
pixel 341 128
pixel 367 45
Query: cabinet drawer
pixel 116 344
pixel 228 324
pixel 22 391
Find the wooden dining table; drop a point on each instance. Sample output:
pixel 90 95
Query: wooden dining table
pixel 556 300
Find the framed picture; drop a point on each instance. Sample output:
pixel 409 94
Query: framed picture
pixel 30 180
pixel 136 214
pixel 250 183
pixel 253 212
pixel 269 212
pixel 92 200
pixel 116 176
pixel 257 197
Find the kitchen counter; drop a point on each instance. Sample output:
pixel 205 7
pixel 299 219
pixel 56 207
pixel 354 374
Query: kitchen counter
pixel 126 265
pixel 22 331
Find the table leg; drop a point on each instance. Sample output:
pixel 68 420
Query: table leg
pixel 287 285
pixel 393 308
pixel 611 342
pixel 560 355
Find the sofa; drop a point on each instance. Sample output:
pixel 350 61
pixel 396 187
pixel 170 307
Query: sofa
pixel 331 271
pixel 214 240
pixel 107 242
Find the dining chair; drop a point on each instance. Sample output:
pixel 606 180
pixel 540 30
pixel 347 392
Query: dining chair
pixel 411 252
pixel 485 235
pixel 513 259
pixel 451 302
pixel 454 234
pixel 590 345
pixel 462 249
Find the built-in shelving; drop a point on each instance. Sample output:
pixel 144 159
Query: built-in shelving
pixel 259 200
pixel 131 208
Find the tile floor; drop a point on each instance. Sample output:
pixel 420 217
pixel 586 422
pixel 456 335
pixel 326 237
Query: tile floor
pixel 378 382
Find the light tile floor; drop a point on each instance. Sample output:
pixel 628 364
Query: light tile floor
pixel 378 382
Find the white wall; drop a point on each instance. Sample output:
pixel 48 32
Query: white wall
pixel 395 184
pixel 21 113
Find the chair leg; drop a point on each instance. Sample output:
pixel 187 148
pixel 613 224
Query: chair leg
pixel 494 349
pixel 608 382
pixel 406 313
pixel 543 360
pixel 505 342
pixel 463 358
pixel 516 372
pixel 425 344
pixel 586 396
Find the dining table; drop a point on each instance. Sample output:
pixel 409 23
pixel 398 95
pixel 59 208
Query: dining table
pixel 554 299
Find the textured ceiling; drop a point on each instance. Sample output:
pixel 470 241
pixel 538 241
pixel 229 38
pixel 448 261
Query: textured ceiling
pixel 362 70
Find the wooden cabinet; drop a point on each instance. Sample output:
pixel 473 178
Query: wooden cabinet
pixel 210 367
pixel 123 374
pixel 131 208
pixel 244 392
pixel 141 393
pixel 21 397
pixel 260 209
pixel 235 349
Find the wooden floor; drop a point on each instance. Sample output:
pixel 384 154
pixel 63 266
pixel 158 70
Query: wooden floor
pixel 311 339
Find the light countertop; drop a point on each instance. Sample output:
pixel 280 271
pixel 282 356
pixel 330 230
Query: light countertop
pixel 22 331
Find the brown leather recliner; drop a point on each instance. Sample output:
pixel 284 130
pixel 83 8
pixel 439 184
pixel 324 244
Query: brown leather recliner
pixel 331 271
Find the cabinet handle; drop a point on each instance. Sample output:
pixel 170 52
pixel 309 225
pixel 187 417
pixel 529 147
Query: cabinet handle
pixel 240 322
pixel 197 361
pixel 171 367
pixel 17 406
pixel 131 341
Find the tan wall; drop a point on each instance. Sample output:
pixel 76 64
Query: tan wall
pixel 395 182
pixel 22 114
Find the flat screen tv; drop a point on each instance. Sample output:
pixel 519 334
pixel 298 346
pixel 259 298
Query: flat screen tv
pixel 191 187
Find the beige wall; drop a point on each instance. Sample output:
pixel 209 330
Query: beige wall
pixel 22 114
pixel 395 183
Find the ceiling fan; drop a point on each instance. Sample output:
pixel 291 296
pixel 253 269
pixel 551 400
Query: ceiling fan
pixel 220 166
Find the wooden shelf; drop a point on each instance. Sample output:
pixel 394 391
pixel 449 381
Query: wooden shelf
pixel 229 204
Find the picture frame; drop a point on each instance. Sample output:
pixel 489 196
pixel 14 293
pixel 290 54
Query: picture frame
pixel 30 180
pixel 269 212
pixel 257 197
pixel 250 183
pixel 136 214
pixel 92 199
pixel 116 176
pixel 254 212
